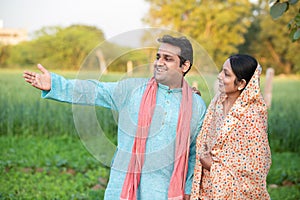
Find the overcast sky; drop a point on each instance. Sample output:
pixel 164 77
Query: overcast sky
pixel 111 16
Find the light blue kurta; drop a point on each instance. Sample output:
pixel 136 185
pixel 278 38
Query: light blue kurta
pixel 124 97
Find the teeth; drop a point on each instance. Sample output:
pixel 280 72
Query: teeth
pixel 161 68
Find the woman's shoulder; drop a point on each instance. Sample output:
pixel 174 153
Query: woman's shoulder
pixel 259 107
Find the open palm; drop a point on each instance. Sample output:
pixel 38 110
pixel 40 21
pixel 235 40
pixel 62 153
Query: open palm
pixel 41 80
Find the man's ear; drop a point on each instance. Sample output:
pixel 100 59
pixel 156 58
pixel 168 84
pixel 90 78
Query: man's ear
pixel 186 66
pixel 242 84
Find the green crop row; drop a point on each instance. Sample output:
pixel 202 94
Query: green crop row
pixel 59 167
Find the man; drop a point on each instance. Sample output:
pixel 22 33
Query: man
pixel 159 119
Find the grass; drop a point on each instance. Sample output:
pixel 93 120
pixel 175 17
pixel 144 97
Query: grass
pixel 284 116
pixel 42 157
pixel 58 167
pixel 284 176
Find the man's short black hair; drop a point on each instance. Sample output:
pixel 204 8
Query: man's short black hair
pixel 186 49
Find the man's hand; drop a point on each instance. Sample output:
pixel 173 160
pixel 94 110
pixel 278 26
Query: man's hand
pixel 41 81
pixel 186 197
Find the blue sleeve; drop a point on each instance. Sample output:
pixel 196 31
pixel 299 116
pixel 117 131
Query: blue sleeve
pixel 201 109
pixel 83 92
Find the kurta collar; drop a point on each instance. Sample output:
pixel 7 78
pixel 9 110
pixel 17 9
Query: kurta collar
pixel 167 89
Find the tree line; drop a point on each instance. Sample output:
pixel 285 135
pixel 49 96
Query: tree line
pixel 225 27
pixel 221 27
pixel 67 48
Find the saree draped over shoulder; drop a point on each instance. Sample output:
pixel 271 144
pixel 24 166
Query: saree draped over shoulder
pixel 239 147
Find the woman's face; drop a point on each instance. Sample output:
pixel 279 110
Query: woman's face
pixel 227 80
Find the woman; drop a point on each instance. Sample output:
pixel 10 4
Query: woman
pixel 233 155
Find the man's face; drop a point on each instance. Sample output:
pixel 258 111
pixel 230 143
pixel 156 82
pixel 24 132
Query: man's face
pixel 167 69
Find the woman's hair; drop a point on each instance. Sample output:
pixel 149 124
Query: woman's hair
pixel 243 66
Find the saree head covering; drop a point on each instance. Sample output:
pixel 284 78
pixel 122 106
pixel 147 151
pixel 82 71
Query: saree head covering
pixel 239 146
pixel 177 183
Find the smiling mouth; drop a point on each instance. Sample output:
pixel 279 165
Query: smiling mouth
pixel 161 68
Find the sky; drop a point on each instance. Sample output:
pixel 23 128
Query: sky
pixel 113 17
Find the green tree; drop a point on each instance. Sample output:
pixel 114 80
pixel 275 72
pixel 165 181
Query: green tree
pixel 268 41
pixel 19 55
pixel 218 25
pixel 4 54
pixel 278 8
pixel 57 47
pixel 71 45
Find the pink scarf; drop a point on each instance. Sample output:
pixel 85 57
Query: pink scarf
pixel 177 183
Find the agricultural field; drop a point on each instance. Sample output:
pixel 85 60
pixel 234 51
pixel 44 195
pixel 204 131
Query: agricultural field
pixel 42 156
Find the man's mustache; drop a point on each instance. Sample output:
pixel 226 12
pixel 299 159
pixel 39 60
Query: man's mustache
pixel 161 67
